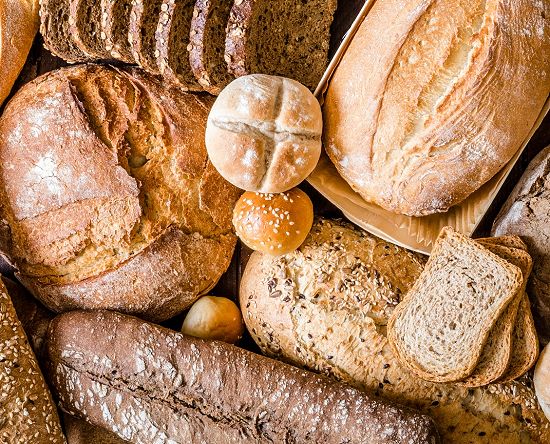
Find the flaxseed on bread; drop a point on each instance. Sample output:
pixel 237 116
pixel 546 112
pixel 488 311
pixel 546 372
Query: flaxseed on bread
pixel 115 20
pixel 285 38
pixel 441 327
pixel 144 19
pixel 207 44
pixel 85 28
pixel 172 43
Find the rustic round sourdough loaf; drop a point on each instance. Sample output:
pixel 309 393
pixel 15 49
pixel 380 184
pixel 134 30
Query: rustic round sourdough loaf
pixel 326 306
pixel 451 90
pixel 113 202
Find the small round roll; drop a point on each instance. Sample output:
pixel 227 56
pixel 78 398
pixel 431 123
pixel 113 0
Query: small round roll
pixel 264 133
pixel 273 223
pixel 541 380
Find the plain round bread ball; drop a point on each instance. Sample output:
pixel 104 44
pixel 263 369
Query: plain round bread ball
pixel 541 380
pixel 275 224
pixel 264 133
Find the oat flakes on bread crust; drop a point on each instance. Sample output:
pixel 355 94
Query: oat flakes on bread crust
pixel 303 309
pixel 115 18
pixel 441 327
pixel 126 213
pixel 85 28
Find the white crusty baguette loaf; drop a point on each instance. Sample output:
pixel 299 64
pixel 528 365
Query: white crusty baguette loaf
pixel 326 306
pixel 426 89
pixel 150 384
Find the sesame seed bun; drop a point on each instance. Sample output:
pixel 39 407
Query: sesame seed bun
pixel 273 223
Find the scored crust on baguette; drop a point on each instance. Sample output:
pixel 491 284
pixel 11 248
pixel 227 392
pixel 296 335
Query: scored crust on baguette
pixel 431 102
pixel 306 310
pixel 441 327
pixel 85 28
pixel 115 21
pixel 123 210
pixel 145 382
pixel 207 44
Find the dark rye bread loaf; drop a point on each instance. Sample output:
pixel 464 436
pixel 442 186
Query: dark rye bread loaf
pixel 150 384
pixel 144 18
pixel 27 412
pixel 172 47
pixel 113 203
pixel 207 44
pixel 54 27
pixel 115 20
pixel 286 38
pixel 85 28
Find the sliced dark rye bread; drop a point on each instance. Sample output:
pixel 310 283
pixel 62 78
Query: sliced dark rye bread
pixel 54 27
pixel 172 43
pixel 85 28
pixel 115 20
pixel 286 38
pixel 144 19
pixel 207 44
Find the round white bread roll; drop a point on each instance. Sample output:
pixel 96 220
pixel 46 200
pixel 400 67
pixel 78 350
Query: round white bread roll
pixel 542 381
pixel 264 133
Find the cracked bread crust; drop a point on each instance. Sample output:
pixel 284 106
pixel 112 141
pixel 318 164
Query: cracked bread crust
pixel 148 384
pixel 113 211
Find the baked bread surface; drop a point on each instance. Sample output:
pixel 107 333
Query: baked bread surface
pixel 418 114
pixel 113 203
pixel 326 307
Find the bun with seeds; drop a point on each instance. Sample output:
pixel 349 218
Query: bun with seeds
pixel 273 223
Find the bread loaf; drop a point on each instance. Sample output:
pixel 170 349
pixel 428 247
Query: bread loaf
pixel 542 381
pixel 27 412
pixel 526 213
pixel 326 307
pixel 113 203
pixel 18 25
pixel 425 91
pixel 115 20
pixel 78 431
pixel 85 28
pixel 144 19
pixel 149 384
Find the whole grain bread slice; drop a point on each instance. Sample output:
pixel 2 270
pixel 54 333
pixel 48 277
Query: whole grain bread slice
pixel 85 28
pixel 441 327
pixel 497 353
pixel 207 44
pixel 54 27
pixel 115 20
pixel 144 19
pixel 285 38
pixel 172 43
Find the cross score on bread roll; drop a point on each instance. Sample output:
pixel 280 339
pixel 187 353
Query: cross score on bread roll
pixel 427 89
pixel 149 384
pixel 112 203
pixel 273 223
pixel 264 133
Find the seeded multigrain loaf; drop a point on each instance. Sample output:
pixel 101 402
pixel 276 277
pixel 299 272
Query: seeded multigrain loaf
pixel 285 38
pixel 441 328
pixel 113 203
pixel 144 19
pixel 172 47
pixel 54 27
pixel 325 307
pixel 207 44
pixel 85 28
pixel 27 412
pixel 150 384
pixel 115 20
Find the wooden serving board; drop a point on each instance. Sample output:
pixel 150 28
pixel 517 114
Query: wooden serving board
pixel 41 61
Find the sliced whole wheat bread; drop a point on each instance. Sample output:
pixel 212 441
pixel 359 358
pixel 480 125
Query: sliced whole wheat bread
pixel 172 43
pixel 443 323
pixel 285 38
pixel 54 27
pixel 497 353
pixel 144 19
pixel 207 44
pixel 115 20
pixel 85 28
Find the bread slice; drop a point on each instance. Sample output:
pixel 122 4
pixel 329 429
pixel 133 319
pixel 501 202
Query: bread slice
pixel 85 28
pixel 54 27
pixel 115 20
pixel 172 42
pixel 497 353
pixel 144 19
pixel 285 38
pixel 207 44
pixel 441 327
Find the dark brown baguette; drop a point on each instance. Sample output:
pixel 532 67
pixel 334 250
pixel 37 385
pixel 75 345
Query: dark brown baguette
pixel 145 382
